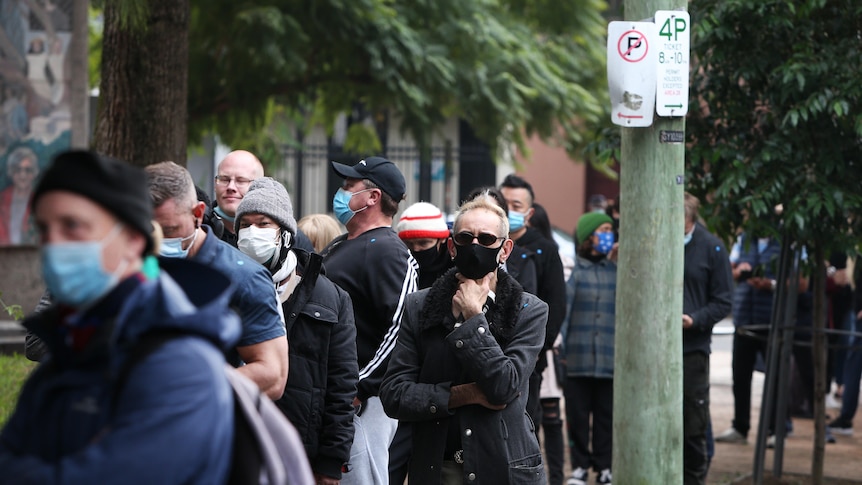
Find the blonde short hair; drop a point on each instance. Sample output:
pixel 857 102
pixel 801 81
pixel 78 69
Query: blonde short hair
pixel 321 229
pixel 487 202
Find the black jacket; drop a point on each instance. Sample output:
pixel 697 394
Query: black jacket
pixel 522 266
pixel 321 382
pixel 707 288
pixel 551 284
pixel 498 352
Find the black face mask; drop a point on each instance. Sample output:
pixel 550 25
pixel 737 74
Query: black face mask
pixel 474 261
pixel 427 257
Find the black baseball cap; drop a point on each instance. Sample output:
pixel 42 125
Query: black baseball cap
pixel 378 170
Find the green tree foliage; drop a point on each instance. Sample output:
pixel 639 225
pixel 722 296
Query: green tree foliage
pixel 775 116
pixel 504 66
pixel 775 119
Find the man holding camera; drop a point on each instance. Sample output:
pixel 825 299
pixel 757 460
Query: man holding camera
pixel 753 262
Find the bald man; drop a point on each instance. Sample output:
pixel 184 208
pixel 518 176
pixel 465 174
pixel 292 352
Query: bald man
pixel 233 176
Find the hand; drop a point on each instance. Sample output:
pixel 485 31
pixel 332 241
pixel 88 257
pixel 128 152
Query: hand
pixel 464 394
pixel 324 480
pixel 759 283
pixel 687 322
pixel 739 269
pixel 471 295
pixel 613 254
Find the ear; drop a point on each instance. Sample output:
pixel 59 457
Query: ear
pixel 528 214
pixel 198 211
pixel 506 250
pixel 374 196
pixel 450 245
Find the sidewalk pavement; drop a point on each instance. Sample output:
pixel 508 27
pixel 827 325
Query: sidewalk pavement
pixel 734 463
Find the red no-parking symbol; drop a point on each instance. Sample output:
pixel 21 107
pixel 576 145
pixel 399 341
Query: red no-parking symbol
pixel 633 46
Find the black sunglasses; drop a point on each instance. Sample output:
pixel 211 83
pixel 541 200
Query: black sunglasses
pixel 464 238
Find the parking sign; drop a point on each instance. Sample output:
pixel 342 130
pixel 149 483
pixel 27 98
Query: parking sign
pixel 632 73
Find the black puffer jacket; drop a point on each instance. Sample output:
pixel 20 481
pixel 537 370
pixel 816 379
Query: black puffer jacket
pixel 321 382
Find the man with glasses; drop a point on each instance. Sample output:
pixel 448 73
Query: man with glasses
pixel 460 370
pixel 233 176
pixel 376 269
pixel 261 353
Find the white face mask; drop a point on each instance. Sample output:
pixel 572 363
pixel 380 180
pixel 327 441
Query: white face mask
pixel 258 243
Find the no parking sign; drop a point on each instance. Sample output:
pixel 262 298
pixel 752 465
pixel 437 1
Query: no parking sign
pixel 632 72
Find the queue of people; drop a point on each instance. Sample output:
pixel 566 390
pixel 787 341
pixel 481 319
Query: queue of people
pixel 413 351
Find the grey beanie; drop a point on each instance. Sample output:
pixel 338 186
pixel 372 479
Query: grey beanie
pixel 267 196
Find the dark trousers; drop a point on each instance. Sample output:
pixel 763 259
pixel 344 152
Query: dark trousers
pixel 534 406
pixel 399 453
pixel 695 417
pixel 552 427
pixel 852 374
pixel 585 397
pixel 745 350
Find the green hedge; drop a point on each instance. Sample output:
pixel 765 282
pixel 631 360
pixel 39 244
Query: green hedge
pixel 14 370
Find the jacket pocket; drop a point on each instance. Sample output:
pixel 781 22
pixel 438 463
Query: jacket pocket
pixel 527 470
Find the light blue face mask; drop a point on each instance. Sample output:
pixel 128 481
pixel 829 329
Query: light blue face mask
pixel 73 271
pixel 341 205
pixel 516 220
pixel 606 242
pixel 172 247
pixel 688 237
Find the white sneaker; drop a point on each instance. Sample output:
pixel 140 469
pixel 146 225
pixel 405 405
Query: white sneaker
pixel 579 477
pixel 731 435
pixel 604 477
pixel 832 403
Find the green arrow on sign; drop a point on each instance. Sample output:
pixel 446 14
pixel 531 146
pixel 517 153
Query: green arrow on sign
pixel 673 106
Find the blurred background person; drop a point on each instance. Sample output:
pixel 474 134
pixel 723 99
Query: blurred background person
pixel 321 229
pixel 22 168
pixel 588 336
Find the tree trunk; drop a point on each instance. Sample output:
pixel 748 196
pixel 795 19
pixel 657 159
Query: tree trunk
pixel 142 116
pixel 818 355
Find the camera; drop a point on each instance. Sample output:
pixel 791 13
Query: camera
pixel 757 271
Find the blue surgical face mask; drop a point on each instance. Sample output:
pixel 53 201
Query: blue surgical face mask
pixel 606 242
pixel 688 237
pixel 516 220
pixel 172 247
pixel 341 205
pixel 73 271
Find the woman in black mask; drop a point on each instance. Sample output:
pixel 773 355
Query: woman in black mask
pixel 423 229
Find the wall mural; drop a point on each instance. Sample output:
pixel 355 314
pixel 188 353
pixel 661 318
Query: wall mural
pixel 35 120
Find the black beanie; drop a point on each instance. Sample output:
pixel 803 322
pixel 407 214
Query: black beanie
pixel 120 188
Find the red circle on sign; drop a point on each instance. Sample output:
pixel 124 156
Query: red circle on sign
pixel 625 53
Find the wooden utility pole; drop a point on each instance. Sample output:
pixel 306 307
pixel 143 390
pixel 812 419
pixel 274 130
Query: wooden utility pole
pixel 647 431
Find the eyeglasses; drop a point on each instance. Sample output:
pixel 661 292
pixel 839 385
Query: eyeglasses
pixel 487 239
pixel 24 169
pixel 224 181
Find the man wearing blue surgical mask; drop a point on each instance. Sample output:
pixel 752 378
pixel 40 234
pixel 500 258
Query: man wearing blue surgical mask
pixel 261 353
pixel 376 269
pixel 79 419
pixel 551 287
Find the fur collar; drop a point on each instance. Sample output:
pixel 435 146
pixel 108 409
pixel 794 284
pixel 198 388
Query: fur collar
pixel 437 309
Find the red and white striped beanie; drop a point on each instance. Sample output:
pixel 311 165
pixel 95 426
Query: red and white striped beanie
pixel 422 220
